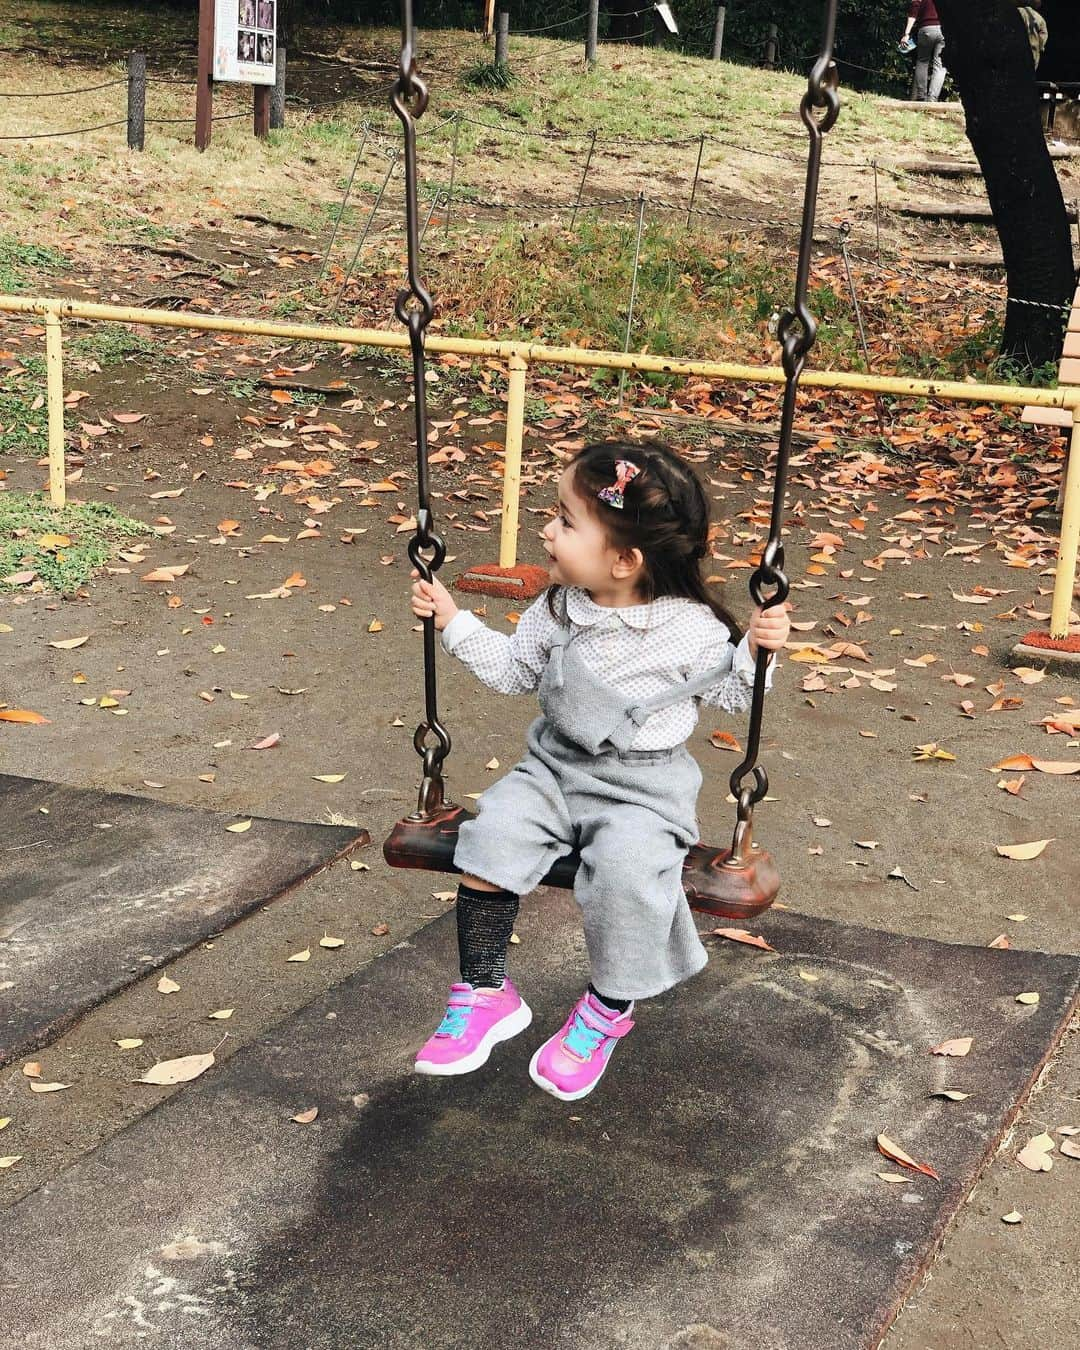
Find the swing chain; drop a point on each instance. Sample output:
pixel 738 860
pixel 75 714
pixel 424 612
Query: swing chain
pixel 415 308
pixel 797 330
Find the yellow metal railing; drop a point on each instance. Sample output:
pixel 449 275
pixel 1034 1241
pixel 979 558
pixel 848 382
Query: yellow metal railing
pixel 519 356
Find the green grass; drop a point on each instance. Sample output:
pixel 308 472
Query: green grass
pixel 23 429
pixel 107 344
pixel 489 75
pixel 93 528
pixel 575 287
pixel 18 260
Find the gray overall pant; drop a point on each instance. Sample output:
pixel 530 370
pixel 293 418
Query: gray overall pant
pixel 631 813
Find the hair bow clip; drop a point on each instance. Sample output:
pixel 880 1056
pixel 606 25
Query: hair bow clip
pixel 615 495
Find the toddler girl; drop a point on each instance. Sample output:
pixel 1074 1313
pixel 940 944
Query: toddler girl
pixel 621 648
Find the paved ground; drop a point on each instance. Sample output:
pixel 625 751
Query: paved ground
pixel 721 1189
pixel 838 753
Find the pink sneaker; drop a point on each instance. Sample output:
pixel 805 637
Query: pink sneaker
pixel 570 1064
pixel 476 1021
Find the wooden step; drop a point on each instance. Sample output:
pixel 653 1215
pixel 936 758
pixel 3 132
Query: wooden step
pixel 1072 344
pixel 935 109
pixel 959 260
pixel 1047 417
pixel 1069 371
pixel 971 215
pixel 939 168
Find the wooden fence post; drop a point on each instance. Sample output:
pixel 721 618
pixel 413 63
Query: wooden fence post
pixel 718 33
pixel 136 106
pixel 590 33
pixel 204 85
pixel 277 93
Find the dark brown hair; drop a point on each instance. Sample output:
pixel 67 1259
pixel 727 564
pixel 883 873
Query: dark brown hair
pixel 665 515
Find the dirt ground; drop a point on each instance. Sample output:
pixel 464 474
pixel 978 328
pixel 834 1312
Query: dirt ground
pixel 224 657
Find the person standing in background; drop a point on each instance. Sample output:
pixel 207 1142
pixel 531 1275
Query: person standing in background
pixel 929 42
pixel 1035 27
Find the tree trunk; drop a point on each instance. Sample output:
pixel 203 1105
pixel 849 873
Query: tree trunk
pixel 987 54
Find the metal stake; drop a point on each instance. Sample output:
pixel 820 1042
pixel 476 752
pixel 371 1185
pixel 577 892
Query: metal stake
pixel 845 231
pixel 367 226
pixel 633 289
pixel 453 169
pixel 697 171
pixel 581 188
pixel 344 202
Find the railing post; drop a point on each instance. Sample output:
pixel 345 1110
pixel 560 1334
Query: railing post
pixel 718 33
pixel 502 39
pixel 277 93
pixel 1065 574
pixel 515 426
pixel 591 33
pixel 54 383
pixel 136 105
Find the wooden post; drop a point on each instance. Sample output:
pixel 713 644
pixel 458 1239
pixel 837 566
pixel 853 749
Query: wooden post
pixel 261 107
pixel 489 19
pixel 54 388
pixel 204 80
pixel 136 107
pixel 277 93
pixel 772 47
pixel 590 33
pixel 511 494
pixel 718 33
pixel 502 39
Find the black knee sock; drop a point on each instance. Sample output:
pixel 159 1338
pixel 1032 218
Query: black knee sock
pixel 485 921
pixel 619 1004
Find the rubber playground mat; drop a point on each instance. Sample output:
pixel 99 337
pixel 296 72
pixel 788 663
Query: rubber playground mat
pixel 718 1189
pixel 98 888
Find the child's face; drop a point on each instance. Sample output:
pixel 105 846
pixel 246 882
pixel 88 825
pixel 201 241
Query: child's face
pixel 577 543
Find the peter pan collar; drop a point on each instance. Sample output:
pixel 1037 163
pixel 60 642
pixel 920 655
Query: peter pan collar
pixel 586 613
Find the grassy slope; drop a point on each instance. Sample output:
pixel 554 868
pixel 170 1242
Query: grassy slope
pixel 89 189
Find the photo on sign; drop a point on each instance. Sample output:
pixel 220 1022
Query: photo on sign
pixel 247 14
pixel 245 46
pixel 266 14
pixel 265 55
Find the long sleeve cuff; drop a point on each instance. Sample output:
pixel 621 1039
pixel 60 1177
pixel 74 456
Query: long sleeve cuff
pixel 462 626
pixel 743 664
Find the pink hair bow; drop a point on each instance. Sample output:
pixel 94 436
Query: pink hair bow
pixel 625 472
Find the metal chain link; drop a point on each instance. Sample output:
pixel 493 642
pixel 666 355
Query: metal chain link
pixel 797 330
pixel 415 308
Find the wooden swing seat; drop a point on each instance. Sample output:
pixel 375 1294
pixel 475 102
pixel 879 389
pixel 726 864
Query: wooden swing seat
pixel 712 884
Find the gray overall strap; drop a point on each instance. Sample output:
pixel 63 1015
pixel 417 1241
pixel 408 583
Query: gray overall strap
pixel 677 693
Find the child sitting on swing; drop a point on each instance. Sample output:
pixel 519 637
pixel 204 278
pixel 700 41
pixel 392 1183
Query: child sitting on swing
pixel 622 648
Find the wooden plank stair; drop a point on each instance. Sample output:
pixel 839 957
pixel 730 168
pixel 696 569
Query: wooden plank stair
pixel 1068 373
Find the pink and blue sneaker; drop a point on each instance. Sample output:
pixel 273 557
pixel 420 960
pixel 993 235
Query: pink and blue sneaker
pixel 476 1021
pixel 570 1064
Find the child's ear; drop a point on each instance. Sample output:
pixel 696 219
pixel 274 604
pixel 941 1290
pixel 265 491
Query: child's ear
pixel 628 564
